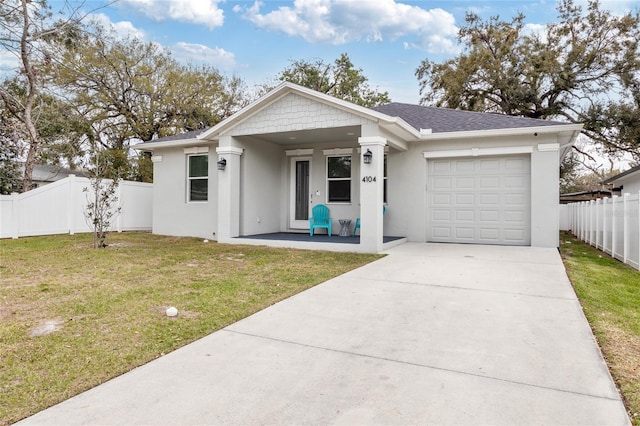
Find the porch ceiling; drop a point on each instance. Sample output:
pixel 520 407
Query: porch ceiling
pixel 331 134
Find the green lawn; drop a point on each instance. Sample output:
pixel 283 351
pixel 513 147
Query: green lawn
pixel 609 292
pixel 108 305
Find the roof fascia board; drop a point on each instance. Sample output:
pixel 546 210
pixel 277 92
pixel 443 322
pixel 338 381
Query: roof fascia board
pixel 518 131
pixel 150 146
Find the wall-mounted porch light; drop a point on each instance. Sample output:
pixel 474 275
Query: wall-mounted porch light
pixel 222 164
pixel 367 156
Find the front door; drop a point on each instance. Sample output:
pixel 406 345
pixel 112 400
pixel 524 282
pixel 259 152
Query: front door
pixel 300 192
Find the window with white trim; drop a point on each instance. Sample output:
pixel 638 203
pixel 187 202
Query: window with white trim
pixel 339 179
pixel 197 177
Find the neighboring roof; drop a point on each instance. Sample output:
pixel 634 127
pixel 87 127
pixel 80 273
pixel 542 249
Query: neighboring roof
pixel 621 175
pixel 441 120
pixel 50 173
pixel 193 134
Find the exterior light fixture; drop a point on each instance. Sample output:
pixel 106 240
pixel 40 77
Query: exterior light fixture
pixel 222 164
pixel 367 156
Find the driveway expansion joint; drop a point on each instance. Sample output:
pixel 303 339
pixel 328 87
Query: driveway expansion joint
pixel 482 290
pixel 414 364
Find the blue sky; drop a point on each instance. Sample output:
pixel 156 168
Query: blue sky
pixel 256 40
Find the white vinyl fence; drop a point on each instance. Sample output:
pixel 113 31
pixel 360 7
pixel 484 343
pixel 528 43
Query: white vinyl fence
pixel 611 225
pixel 58 208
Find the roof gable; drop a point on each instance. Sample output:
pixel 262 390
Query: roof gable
pixel 296 112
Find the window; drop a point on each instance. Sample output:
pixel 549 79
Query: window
pixel 339 179
pixel 197 178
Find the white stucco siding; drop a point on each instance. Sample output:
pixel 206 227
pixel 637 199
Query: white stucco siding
pixel 172 214
pixel 260 190
pixel 295 112
pixel 408 178
pixel 630 183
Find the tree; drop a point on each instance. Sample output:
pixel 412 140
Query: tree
pixel 583 69
pixel 339 79
pixel 102 200
pixel 24 26
pixel 129 90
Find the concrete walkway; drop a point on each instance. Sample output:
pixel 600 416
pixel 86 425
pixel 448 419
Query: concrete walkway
pixel 431 334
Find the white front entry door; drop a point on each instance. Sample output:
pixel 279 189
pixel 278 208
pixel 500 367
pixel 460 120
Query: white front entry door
pixel 300 193
pixel 479 200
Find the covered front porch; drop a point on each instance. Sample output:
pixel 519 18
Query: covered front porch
pixel 316 242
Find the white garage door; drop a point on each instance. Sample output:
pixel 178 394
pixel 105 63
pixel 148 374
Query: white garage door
pixel 480 200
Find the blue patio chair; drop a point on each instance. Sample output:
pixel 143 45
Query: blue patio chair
pixel 320 218
pixel 357 225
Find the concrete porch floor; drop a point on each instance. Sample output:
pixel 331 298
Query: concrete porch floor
pixel 316 242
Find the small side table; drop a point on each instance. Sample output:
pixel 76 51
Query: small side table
pixel 345 224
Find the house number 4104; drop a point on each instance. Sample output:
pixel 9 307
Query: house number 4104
pixel 369 179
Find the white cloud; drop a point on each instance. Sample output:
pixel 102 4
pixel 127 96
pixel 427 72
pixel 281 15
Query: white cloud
pixel 345 21
pixel 123 29
pixel 198 53
pixel 201 12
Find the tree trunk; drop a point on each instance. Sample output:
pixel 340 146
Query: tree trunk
pixel 32 133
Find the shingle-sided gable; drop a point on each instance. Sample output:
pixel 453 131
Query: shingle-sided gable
pixel 441 120
pixel 295 112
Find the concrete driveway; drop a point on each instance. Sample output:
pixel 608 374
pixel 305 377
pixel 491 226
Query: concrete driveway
pixel 431 334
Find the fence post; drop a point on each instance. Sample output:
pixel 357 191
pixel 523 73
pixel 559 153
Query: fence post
pixel 625 227
pixel 15 216
pixel 71 203
pixel 119 204
pixel 614 228
pixel 597 207
pixel 604 224
pixel 638 259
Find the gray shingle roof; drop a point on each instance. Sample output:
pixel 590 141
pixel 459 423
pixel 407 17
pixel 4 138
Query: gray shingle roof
pixel 187 135
pixel 623 174
pixel 452 120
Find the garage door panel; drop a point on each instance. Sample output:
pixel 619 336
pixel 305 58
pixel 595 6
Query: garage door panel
pixel 466 182
pixel 489 216
pixel 442 232
pixel 462 166
pixel 442 183
pixel 440 199
pixel 463 199
pixel 489 182
pixel 517 199
pixel 515 182
pixel 489 235
pixel 479 200
pixel 489 199
pixel 466 234
pixel 441 166
pixel 464 215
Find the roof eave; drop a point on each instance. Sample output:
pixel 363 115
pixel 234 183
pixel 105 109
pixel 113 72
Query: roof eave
pixel 517 131
pixel 150 146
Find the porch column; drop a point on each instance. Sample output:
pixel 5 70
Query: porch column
pixel 371 193
pixel 229 193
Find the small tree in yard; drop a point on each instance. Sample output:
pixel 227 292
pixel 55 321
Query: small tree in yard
pixel 102 208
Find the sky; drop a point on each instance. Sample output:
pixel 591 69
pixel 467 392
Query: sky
pixel 256 40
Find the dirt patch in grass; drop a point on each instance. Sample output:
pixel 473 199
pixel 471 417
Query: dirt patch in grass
pixel 95 314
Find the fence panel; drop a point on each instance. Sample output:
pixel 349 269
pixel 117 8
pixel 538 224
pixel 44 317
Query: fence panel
pixel 611 225
pixel 58 208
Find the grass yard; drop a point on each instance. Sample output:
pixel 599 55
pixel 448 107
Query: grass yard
pixel 72 317
pixel 609 292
